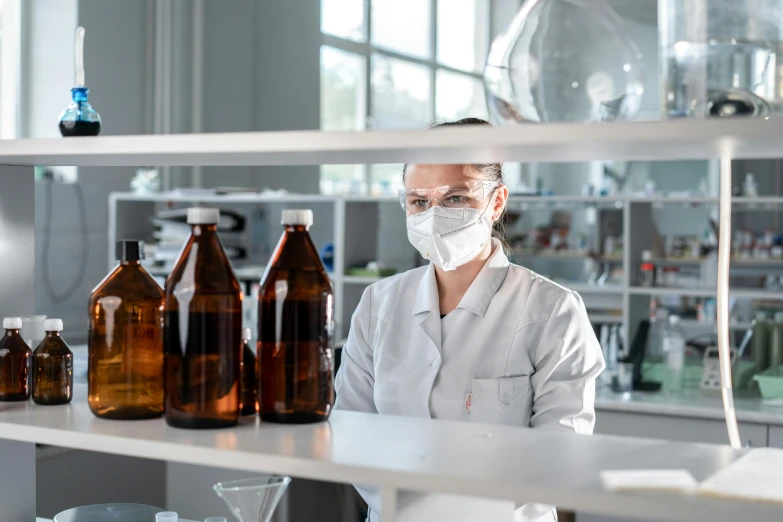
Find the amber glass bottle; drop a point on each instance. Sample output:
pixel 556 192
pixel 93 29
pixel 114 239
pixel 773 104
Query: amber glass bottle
pixel 202 333
pixel 15 360
pixel 295 354
pixel 125 346
pixel 52 367
pixel 249 376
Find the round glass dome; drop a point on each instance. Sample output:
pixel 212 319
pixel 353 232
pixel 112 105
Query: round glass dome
pixel 564 61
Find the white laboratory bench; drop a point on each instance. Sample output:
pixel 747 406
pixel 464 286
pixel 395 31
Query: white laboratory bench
pixel 406 454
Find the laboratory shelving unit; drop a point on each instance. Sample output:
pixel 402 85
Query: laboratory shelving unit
pixel 353 225
pixel 395 453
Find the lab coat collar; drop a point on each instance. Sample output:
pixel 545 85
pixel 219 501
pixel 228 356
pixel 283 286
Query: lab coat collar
pixel 487 282
pixel 480 293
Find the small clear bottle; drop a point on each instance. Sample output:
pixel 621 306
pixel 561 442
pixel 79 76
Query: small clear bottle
pixel 53 367
pixel 249 376
pixel 15 360
pixel 674 351
pixel 759 343
pixel 654 352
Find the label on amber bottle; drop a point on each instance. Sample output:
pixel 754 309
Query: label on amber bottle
pixel 142 352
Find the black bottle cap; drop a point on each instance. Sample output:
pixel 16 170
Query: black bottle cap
pixel 129 250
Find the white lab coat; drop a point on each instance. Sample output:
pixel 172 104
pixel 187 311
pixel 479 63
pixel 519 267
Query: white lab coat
pixel 519 349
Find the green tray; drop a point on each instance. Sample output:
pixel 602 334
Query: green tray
pixel 694 371
pixel 770 382
pixel 363 272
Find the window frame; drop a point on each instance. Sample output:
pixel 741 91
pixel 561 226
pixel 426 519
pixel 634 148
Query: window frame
pixel 366 49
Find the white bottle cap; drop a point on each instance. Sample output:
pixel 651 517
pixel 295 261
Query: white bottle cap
pixel 53 325
pixel 203 216
pixel 646 256
pixel 674 319
pixel 246 334
pixel 166 516
pixel 297 217
pixel 12 323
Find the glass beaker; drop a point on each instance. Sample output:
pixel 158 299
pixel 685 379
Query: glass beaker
pixel 721 58
pixel 564 60
pixel 253 499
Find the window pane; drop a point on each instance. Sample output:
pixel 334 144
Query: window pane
pixel 342 90
pixel 342 180
pixel 400 93
pixel 463 34
pixel 403 26
pixel 343 18
pixel 459 96
pixel 385 179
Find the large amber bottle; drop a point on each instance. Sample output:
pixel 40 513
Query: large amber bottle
pixel 52 367
pixel 202 331
pixel 295 354
pixel 15 360
pixel 125 346
pixel 249 376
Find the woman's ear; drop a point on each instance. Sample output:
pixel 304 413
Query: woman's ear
pixel 501 198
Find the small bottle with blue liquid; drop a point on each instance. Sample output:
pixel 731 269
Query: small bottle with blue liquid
pixel 79 118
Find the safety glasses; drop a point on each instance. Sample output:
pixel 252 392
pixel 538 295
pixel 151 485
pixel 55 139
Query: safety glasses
pixel 463 195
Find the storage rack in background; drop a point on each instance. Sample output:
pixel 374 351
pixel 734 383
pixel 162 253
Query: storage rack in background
pixel 353 226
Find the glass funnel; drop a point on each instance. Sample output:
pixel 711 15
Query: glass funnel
pixel 721 58
pixel 564 61
pixel 253 499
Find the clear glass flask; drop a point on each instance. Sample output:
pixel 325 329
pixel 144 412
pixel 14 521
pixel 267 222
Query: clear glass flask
pixel 564 61
pixel 721 58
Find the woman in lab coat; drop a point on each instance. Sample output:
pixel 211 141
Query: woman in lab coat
pixel 470 336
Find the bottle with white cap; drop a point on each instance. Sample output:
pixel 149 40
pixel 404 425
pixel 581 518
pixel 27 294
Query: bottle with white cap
pixel 15 360
pixel 295 310
pixel 202 331
pixel 249 375
pixel 125 345
pixel 53 367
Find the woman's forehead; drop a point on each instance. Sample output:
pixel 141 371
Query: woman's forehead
pixel 430 176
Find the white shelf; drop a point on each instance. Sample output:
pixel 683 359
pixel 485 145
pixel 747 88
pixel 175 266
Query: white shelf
pixel 243 197
pixel 408 454
pixel 584 288
pixel 740 293
pixel 645 141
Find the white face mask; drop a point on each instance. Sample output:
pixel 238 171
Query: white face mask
pixel 449 237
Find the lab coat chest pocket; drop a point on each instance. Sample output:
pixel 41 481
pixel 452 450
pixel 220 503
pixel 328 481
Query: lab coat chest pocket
pixel 507 400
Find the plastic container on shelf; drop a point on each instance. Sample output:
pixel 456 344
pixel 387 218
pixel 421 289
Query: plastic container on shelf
pixel 776 341
pixel 674 353
pixel 647 270
pixel 770 382
pixel 759 343
pixel 654 352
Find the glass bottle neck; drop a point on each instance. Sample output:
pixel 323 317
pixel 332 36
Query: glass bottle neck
pixel 204 229
pixel 12 331
pixel 130 263
pixel 53 333
pixel 296 228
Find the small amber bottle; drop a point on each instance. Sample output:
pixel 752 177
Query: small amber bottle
pixel 125 369
pixel 295 310
pixel 15 359
pixel 53 367
pixel 249 375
